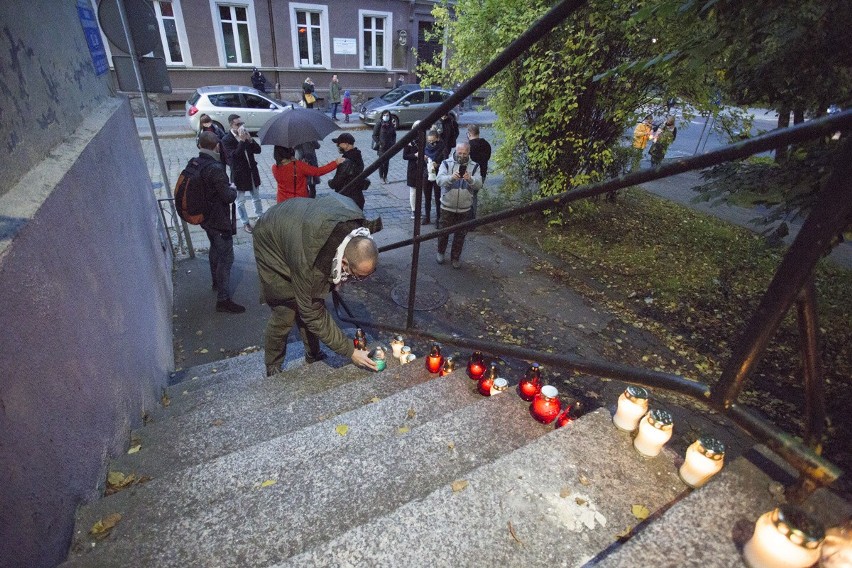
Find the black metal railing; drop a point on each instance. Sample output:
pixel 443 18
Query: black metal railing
pixel 792 282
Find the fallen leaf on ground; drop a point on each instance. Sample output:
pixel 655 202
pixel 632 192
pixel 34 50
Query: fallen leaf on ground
pixel 202 350
pixel 514 535
pixel 641 512
pixel 342 429
pixel 459 485
pixel 580 501
pixel 118 479
pixel 411 413
pixel 217 422
pixel 404 429
pixel 566 491
pixel 165 400
pixel 624 534
pixel 584 480
pixel 451 445
pixel 269 482
pixel 102 528
pixel 134 449
pixel 375 399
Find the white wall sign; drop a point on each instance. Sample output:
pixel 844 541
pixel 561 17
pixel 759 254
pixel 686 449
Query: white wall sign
pixel 345 46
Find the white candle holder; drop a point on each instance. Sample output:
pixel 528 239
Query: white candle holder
pixel 500 385
pixel 784 538
pixel 632 406
pixel 404 352
pixel 704 459
pixel 409 358
pixel 655 429
pixel 397 344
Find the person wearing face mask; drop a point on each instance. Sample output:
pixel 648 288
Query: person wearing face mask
pixel 434 155
pixel 349 170
pixel 384 136
pixel 459 177
pixel 304 248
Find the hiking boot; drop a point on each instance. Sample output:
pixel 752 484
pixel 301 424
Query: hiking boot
pixel 230 307
pixel 439 258
pixel 314 357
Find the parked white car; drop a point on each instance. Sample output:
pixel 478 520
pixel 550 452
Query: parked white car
pixel 221 101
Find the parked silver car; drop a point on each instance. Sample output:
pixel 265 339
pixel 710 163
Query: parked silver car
pixel 254 107
pixel 406 103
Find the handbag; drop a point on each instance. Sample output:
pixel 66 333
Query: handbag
pixel 310 98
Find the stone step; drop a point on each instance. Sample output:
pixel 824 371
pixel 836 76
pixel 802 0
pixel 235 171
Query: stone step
pixel 283 403
pixel 556 502
pixel 326 483
pixel 232 383
pixel 720 518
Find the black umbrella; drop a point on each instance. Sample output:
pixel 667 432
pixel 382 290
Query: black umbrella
pixel 296 126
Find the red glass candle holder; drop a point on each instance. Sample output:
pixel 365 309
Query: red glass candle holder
pixel 530 384
pixel 545 406
pixel 434 360
pixel 570 414
pixel 360 340
pixel 448 367
pixel 476 366
pixel 486 382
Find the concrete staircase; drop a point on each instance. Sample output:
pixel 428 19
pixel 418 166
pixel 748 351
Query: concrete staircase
pixel 330 465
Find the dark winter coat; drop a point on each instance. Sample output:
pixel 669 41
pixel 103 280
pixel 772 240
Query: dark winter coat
pixel 240 158
pixel 219 194
pixel 384 135
pixel 409 153
pixel 480 152
pixel 449 134
pixel 346 172
pixel 288 239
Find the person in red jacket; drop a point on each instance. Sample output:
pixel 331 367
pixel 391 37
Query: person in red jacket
pixel 292 174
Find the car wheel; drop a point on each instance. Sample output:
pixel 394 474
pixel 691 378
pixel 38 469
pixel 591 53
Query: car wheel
pixel 395 121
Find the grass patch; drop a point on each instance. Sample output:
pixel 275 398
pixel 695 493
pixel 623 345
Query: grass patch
pixel 701 279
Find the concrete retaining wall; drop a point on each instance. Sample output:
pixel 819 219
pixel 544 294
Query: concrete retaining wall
pixel 86 318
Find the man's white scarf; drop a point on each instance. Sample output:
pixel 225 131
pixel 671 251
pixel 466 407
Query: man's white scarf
pixel 337 263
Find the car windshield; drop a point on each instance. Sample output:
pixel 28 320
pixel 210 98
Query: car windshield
pixel 396 94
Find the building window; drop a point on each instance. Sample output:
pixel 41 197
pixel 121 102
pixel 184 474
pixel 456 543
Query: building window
pixel 376 28
pixel 310 35
pixel 236 33
pixel 172 32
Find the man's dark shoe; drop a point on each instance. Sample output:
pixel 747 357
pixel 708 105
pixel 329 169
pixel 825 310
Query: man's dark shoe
pixel 229 307
pixel 314 357
pixel 272 370
pixel 425 220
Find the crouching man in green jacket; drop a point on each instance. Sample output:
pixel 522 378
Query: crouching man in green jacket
pixel 304 248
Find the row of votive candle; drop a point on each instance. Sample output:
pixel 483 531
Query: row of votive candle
pixel 704 458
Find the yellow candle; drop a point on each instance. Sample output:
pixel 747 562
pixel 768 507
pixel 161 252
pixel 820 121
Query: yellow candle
pixel 655 429
pixel 396 345
pixel 784 538
pixel 704 459
pixel 632 406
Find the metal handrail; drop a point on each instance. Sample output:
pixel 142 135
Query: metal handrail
pixel 176 222
pixel 791 283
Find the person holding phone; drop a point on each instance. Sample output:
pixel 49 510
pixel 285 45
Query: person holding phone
pixel 240 150
pixel 458 177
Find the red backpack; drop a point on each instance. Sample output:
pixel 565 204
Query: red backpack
pixel 191 204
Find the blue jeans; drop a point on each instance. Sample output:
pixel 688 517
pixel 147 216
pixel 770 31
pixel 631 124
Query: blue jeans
pixel 334 110
pixel 241 204
pixel 221 259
